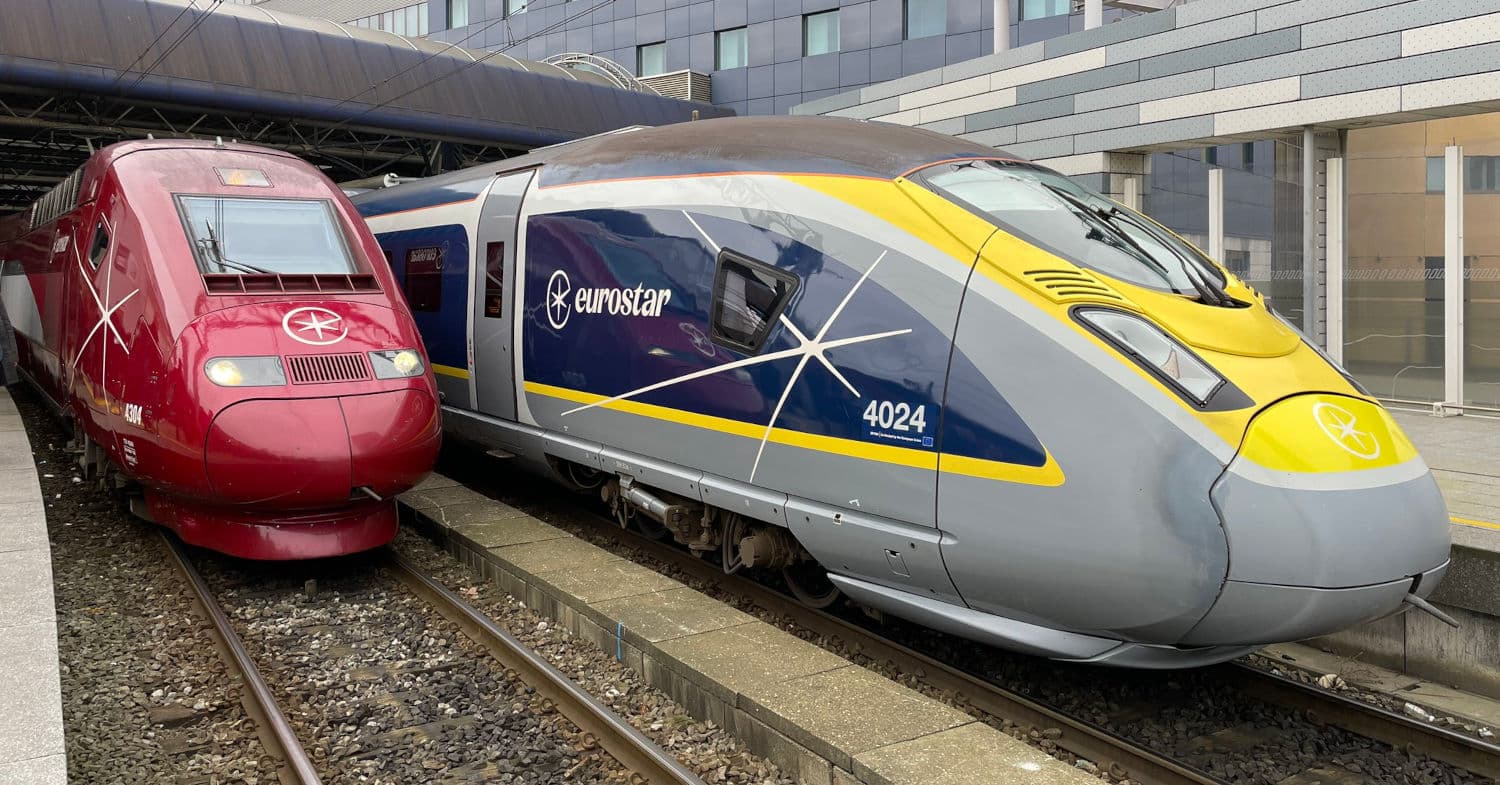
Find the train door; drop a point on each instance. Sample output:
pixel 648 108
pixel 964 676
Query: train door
pixel 494 300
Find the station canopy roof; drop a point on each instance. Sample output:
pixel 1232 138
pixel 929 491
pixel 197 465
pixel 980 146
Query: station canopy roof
pixel 78 74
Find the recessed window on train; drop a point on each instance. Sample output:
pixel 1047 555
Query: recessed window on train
pixel 250 236
pixel 494 280
pixel 749 296
pixel 424 278
pixel 99 245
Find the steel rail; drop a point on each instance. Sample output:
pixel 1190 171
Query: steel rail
pixel 618 737
pixel 1369 720
pixel 1113 753
pixel 262 704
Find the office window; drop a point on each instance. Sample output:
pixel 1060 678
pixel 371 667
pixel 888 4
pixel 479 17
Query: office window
pixel 458 13
pixel 926 17
pixel 731 49
pixel 820 33
pixel 1481 174
pixel 1041 9
pixel 650 59
pixel 513 7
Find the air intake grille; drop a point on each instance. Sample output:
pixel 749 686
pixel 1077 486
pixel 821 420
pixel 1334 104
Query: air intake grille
pixel 324 368
pixel 1067 286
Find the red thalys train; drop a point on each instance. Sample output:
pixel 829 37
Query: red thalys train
pixel 221 327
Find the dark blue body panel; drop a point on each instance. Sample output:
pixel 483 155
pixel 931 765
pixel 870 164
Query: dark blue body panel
pixel 445 330
pixel 653 250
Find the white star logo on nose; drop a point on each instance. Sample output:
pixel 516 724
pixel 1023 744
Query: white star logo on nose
pixel 1340 425
pixel 315 322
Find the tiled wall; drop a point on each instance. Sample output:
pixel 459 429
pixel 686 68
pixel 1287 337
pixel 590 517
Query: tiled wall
pixel 778 76
pixel 1203 73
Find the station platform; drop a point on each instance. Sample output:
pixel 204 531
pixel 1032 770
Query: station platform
pixel 31 720
pixel 1464 453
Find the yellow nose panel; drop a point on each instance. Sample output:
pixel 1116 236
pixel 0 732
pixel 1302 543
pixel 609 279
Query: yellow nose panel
pixel 1325 433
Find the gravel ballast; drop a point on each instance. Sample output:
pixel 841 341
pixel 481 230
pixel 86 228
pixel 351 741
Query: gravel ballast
pixel 146 698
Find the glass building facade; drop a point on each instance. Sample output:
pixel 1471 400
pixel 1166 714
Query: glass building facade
pixel 1263 215
pixel 1396 280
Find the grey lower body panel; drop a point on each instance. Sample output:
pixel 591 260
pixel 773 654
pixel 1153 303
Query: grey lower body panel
pixel 1273 612
pixel 1028 638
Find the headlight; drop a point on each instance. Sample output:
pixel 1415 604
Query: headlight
pixel 1155 350
pixel 396 364
pixel 245 371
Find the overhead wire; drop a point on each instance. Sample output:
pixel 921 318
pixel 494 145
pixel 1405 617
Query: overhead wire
pixel 198 22
pixel 163 34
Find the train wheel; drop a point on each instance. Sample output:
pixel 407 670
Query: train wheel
pixel 809 584
pixel 735 528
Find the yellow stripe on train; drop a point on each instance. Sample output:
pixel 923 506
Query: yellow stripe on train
pixel 1049 474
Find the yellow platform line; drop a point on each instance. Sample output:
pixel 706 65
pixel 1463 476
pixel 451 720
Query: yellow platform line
pixel 1470 522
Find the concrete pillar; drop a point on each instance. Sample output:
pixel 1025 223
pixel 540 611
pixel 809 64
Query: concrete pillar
pixel 1216 214
pixel 1130 191
pixel 1002 26
pixel 1309 231
pixel 1336 261
pixel 1093 14
pixel 1453 274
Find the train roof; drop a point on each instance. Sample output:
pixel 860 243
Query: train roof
pixel 779 144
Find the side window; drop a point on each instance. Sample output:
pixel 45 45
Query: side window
pixel 424 278
pixel 98 246
pixel 748 298
pixel 494 280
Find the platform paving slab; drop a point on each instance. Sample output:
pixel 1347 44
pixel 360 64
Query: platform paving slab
pixel 508 531
pixel 670 614
pixel 1439 698
pixel 972 754
pixel 31 723
pixel 829 713
pixel 821 718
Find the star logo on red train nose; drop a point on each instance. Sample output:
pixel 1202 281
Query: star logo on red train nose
pixel 317 327
pixel 1340 425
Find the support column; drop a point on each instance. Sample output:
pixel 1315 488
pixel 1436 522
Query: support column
pixel 1453 274
pixel 1093 14
pixel 1216 214
pixel 1334 270
pixel 1002 26
pixel 1309 231
pixel 1130 191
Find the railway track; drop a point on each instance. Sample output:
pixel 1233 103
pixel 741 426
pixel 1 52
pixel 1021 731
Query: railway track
pixel 279 738
pixel 647 762
pixel 1114 753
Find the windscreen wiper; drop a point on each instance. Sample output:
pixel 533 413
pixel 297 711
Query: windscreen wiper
pixel 1095 219
pixel 212 243
pixel 1207 288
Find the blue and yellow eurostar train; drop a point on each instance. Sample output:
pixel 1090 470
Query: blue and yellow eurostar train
pixel 950 384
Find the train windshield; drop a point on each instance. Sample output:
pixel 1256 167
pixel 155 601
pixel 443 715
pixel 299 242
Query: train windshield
pixel 1052 212
pixel 238 235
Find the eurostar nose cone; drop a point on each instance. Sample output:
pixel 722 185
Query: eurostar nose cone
pixel 1332 518
pixel 1327 491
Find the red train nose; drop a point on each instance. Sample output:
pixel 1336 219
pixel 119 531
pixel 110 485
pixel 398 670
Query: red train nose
pixel 304 453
